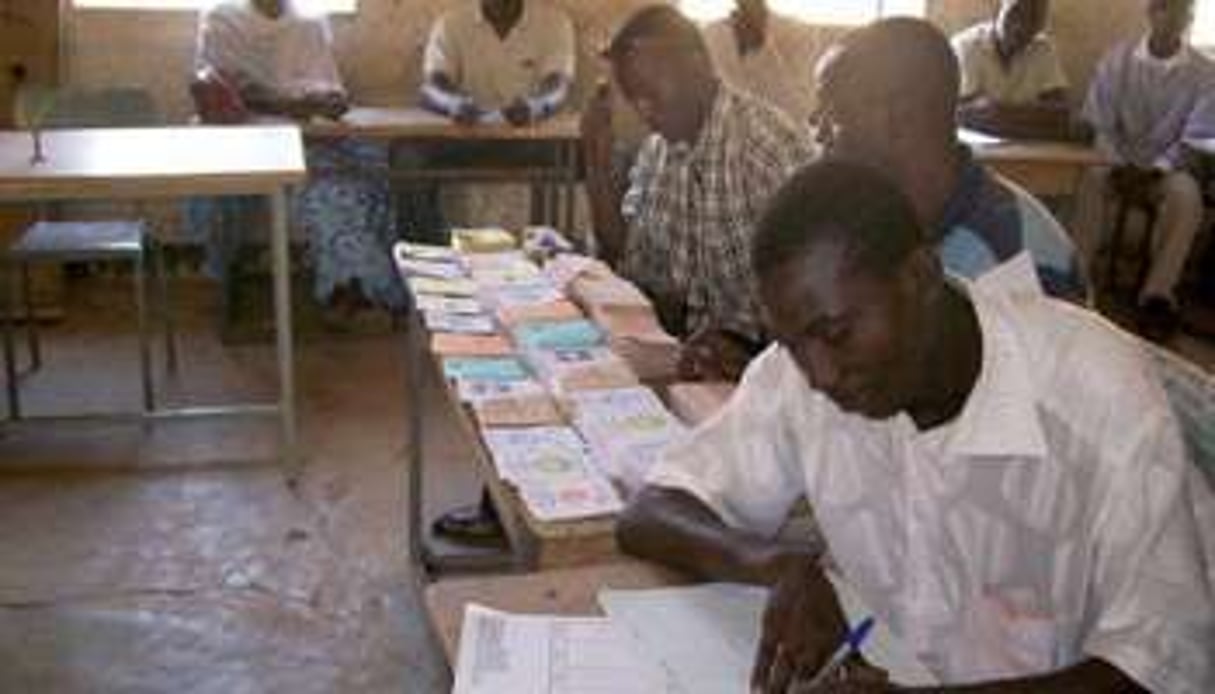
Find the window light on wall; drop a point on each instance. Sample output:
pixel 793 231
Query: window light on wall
pixel 846 12
pixel 1204 24
pixel 326 6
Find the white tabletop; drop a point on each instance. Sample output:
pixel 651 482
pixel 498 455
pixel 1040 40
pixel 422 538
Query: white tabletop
pixel 151 162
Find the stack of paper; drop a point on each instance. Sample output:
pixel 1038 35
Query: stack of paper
pixel 467 345
pixel 568 370
pixel 496 269
pixel 494 369
pixel 503 653
pixel 440 321
pixel 509 403
pixel 627 429
pixel 550 469
pixel 486 240
pixel 459 286
pixel 449 304
pixel 537 313
pixel 421 251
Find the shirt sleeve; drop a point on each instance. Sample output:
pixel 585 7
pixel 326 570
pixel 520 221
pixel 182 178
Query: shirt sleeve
pixel 312 61
pixel 442 51
pixel 1100 104
pixel 742 462
pixel 218 42
pixel 970 82
pixel 1153 614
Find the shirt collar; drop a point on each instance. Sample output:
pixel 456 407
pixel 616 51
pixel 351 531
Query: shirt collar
pixel 1144 53
pixel 1000 418
pixel 966 194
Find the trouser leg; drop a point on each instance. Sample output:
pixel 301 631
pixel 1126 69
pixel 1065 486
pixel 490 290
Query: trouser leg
pixel 1178 220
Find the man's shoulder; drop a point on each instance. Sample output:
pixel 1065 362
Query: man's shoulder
pixel 757 119
pixel 972 37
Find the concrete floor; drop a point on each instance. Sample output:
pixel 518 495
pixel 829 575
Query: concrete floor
pixel 176 559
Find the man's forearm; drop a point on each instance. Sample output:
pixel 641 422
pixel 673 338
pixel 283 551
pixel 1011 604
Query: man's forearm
pixel 1088 677
pixel 440 95
pixel 673 528
pixel 605 194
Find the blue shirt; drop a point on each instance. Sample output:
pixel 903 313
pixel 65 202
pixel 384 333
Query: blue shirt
pixel 988 221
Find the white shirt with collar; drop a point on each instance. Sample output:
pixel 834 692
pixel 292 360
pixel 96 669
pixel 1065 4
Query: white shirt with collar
pixel 1054 519
pixel 778 72
pixel 1032 72
pixel 494 70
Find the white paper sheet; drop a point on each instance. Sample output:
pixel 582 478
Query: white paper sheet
pixel 539 654
pixel 706 636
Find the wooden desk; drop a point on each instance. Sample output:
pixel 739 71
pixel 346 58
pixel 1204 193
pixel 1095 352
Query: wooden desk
pixel 534 543
pixel 146 163
pixel 561 591
pixel 411 124
pixel 1042 168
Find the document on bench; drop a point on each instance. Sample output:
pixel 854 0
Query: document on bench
pixel 542 654
pixel 706 636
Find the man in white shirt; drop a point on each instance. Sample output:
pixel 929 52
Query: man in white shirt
pixel 1011 81
pixel 767 54
pixel 999 475
pixel 1148 97
pixel 489 61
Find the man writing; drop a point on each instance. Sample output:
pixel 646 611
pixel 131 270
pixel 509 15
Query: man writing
pixel 998 475
pixel 1012 83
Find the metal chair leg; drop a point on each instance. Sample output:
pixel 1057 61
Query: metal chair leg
pixel 166 308
pixel 10 364
pixel 141 309
pixel 31 319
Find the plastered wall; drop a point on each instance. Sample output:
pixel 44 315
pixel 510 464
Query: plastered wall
pixel 380 47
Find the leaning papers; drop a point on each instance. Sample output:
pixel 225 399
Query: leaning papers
pixel 483 240
pixel 422 251
pixel 540 654
pixel 463 323
pixel 627 429
pixel 552 472
pixel 706 636
pixel 571 334
pixel 463 345
pixel 509 403
pixel 484 369
pixel 567 370
pixel 443 287
pixel 448 304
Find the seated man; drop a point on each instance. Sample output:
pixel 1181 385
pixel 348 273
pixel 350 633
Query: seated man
pixel 1147 98
pixel 765 53
pixel 888 98
pixel 1012 83
pixel 999 476
pixel 680 225
pixel 495 61
pixel 279 62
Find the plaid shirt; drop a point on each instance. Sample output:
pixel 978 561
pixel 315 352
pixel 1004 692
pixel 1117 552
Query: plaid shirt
pixel 692 212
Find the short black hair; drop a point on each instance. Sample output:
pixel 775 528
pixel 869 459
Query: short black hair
pixel 656 23
pixel 838 201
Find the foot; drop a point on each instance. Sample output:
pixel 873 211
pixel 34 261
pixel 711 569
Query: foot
pixel 1157 319
pixel 470 524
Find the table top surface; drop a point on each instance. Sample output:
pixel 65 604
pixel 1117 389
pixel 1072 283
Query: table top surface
pixel 988 148
pixel 151 162
pixel 557 591
pixel 418 123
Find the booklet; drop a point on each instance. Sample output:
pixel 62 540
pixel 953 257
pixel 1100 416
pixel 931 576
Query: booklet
pixel 460 323
pixel 509 403
pixel 627 428
pixel 463 345
pixel 431 268
pixel 571 334
pixel 461 287
pixel 423 251
pixel 484 240
pixel 448 304
pixel 538 313
pixel 552 472
pixel 484 369
pixel 567 370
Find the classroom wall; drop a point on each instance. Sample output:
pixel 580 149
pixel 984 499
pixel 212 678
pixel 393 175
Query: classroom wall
pixel 380 47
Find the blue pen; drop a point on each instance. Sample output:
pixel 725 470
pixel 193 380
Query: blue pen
pixel 852 644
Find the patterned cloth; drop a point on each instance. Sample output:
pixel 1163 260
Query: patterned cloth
pixel 1055 518
pixel 988 221
pixel 692 211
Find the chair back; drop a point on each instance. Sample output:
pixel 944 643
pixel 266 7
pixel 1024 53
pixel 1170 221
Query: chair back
pixel 107 107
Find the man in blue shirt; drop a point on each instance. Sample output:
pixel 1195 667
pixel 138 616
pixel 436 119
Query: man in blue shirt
pixel 888 100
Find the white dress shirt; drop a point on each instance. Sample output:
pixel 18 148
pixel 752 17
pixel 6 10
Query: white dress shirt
pixel 779 71
pixel 1031 73
pixel 290 54
pixel 1056 518
pixel 494 70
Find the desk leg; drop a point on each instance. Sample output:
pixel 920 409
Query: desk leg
pixel 8 275
pixel 413 403
pixel 282 330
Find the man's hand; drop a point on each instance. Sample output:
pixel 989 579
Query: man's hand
pixel 711 354
pixel 328 104
pixel 802 627
pixel 467 112
pixel 517 113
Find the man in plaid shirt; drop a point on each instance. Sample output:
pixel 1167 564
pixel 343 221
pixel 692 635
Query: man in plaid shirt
pixel 680 225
